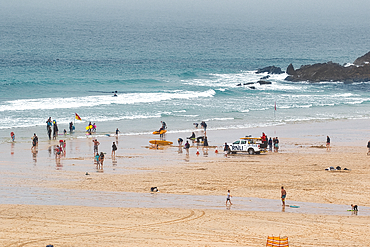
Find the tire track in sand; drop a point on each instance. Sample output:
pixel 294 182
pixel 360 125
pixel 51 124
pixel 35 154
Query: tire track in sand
pixel 192 216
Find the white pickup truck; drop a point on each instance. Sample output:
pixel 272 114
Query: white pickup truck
pixel 246 144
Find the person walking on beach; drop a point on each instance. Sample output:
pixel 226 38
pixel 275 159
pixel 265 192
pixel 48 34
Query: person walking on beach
pixel 276 144
pixel 96 158
pixel 55 130
pixel 270 144
pixel 114 148
pixel 368 148
pixel 164 125
pixel 35 141
pixel 226 149
pixel 49 123
pixel 228 198
pixel 117 132
pixel 283 195
pixel 96 144
pixel 327 142
pixel 101 158
pixel 205 142
pixel 204 125
pixel 12 135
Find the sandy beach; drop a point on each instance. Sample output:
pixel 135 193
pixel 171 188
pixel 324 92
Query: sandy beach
pixel 38 205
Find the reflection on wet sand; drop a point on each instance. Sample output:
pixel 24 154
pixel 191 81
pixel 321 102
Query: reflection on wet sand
pixel 34 155
pixel 12 148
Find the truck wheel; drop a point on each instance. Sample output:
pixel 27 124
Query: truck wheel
pixel 251 151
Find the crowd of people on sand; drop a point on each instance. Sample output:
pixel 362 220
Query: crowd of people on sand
pixel 99 157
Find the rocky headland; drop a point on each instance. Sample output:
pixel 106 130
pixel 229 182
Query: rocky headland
pixel 358 72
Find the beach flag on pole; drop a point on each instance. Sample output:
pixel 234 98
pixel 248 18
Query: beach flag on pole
pixel 77 116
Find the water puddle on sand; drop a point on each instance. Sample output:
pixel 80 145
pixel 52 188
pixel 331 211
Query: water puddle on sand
pixel 47 196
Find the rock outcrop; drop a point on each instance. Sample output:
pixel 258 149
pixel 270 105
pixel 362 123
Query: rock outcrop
pixel 360 72
pixel 365 59
pixel 270 70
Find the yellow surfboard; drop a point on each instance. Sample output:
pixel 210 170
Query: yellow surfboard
pixel 160 142
pixel 159 133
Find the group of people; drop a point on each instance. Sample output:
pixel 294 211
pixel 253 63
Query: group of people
pixel 202 124
pixel 99 158
pixel 91 128
pixel 274 143
pixel 52 126
pixel 60 149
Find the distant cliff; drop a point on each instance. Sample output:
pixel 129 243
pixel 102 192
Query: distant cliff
pixel 330 71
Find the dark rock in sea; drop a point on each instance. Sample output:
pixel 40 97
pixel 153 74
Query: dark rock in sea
pixel 331 72
pixel 264 82
pixel 265 77
pixel 248 83
pixel 290 70
pixel 238 85
pixel 252 87
pixel 270 70
pixel 365 59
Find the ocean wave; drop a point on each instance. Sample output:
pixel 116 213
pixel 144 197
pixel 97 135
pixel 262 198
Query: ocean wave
pixel 90 101
pixel 245 80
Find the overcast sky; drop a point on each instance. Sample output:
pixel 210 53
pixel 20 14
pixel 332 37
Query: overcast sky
pixel 340 10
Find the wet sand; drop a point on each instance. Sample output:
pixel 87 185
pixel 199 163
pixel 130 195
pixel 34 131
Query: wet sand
pixel 192 191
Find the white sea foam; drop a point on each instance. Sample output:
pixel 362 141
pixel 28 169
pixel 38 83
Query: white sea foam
pixel 90 101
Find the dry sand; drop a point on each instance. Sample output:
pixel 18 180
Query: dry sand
pixel 298 167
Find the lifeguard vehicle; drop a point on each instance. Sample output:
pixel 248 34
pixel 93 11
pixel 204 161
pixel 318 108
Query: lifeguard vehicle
pixel 250 145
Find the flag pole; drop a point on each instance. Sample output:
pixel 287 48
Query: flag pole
pixel 275 118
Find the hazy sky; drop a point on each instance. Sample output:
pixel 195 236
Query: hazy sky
pixel 222 10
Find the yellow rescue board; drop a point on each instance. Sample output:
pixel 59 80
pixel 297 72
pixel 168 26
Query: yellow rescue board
pixel 157 132
pixel 160 142
pixel 254 138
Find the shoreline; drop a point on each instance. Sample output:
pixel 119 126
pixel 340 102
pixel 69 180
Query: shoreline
pixel 200 180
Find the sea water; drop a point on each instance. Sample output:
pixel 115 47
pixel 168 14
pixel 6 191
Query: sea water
pixel 178 62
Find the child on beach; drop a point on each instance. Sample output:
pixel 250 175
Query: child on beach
pixel 97 158
pixel 12 135
pixel 368 148
pixel 228 198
